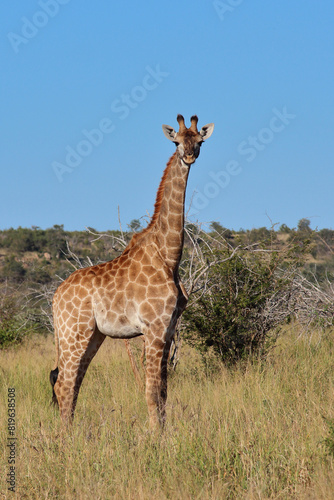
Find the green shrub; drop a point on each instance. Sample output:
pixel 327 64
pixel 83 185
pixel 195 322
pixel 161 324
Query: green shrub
pixel 245 298
pixel 13 270
pixel 12 325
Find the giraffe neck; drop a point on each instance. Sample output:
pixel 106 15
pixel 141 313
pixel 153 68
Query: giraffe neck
pixel 168 220
pixel 166 226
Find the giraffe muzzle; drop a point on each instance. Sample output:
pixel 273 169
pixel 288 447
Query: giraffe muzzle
pixel 189 159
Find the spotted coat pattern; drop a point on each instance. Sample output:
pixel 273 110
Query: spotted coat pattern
pixel 138 293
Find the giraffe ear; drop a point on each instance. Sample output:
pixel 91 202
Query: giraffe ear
pixel 206 131
pixel 169 132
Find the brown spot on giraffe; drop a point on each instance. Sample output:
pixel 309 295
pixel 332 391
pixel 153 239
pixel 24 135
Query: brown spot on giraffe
pixel 138 293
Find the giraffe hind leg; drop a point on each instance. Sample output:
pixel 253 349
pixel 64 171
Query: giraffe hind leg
pixel 53 380
pixel 72 372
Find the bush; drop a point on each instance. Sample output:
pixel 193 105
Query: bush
pixel 13 270
pixel 38 274
pixel 13 327
pixel 246 297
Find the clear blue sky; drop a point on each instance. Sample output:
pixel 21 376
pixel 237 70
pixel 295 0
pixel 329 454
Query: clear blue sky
pixel 261 71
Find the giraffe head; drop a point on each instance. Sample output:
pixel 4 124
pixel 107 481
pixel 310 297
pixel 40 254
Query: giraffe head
pixel 188 140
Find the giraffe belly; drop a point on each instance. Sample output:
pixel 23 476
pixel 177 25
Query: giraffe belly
pixel 126 332
pixel 118 327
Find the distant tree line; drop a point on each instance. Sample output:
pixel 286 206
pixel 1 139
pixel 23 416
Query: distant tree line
pixel 243 285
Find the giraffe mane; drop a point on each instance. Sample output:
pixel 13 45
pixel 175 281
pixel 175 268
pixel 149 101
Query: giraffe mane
pixel 157 205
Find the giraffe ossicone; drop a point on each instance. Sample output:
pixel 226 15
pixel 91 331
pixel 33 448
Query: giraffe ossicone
pixel 137 293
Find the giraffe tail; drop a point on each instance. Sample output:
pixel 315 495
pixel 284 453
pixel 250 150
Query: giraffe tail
pixel 54 373
pixel 53 380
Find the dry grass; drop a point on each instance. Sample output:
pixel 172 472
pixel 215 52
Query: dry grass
pixel 255 432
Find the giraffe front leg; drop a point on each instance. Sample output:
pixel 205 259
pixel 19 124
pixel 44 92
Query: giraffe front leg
pixel 156 380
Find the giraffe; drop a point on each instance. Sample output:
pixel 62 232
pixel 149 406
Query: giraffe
pixel 137 293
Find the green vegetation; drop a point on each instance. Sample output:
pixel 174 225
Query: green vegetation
pixel 246 286
pixel 237 315
pixel 244 420
pixel 14 326
pixel 243 284
pixel 48 249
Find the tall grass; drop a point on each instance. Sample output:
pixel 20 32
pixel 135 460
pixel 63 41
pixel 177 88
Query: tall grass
pixel 254 432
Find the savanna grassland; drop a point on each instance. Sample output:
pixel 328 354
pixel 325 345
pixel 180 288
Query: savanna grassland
pixel 254 431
